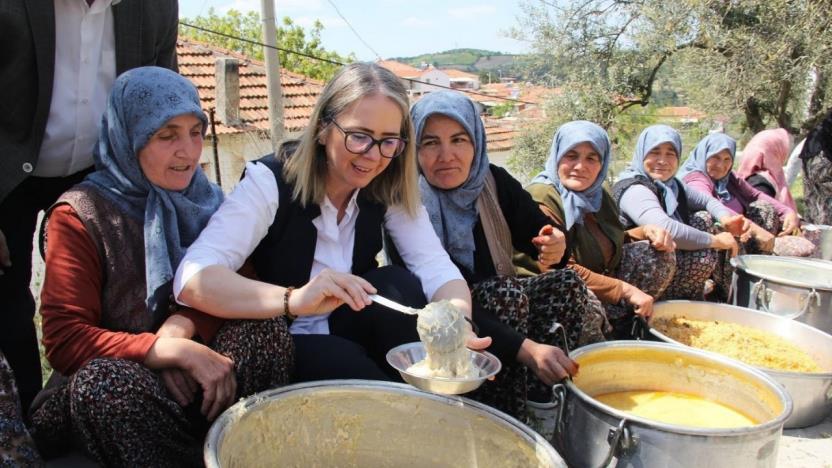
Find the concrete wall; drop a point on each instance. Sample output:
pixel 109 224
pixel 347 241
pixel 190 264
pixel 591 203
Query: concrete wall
pixel 234 151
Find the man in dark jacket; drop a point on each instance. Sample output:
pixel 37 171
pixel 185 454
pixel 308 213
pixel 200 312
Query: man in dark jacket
pixel 57 64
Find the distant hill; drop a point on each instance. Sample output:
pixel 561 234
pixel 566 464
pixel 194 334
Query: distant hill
pixel 470 60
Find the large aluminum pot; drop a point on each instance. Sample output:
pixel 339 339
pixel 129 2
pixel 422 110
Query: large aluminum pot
pixel 794 288
pixel 811 392
pixel 362 423
pixel 590 434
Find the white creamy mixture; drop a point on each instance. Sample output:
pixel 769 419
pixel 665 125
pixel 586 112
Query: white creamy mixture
pixel 442 328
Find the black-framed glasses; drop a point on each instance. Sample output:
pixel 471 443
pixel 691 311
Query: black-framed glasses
pixel 360 143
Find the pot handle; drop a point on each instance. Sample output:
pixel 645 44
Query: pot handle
pixel 640 328
pixel 558 327
pixel 759 292
pixel 807 302
pixel 559 398
pixel 621 442
pixel 759 295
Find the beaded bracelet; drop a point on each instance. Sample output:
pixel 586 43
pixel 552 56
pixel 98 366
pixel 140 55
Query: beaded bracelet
pixel 286 295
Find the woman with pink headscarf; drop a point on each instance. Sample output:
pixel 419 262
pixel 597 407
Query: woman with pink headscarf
pixel 762 164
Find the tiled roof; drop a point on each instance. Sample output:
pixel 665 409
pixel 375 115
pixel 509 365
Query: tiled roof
pixel 454 73
pixel 196 62
pixel 680 112
pixel 399 69
pixel 499 135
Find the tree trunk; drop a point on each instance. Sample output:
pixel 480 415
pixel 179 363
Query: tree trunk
pixel 753 115
pixel 815 112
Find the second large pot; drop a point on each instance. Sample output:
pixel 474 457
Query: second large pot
pixel 790 287
pixel 590 433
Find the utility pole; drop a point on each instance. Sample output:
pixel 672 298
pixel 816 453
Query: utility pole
pixel 272 72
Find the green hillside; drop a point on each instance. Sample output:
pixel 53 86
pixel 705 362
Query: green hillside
pixel 462 59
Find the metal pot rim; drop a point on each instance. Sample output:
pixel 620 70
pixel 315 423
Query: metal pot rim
pixel 212 439
pixel 737 262
pixel 808 328
pixel 778 421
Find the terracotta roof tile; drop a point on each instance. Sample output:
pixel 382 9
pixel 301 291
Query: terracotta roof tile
pixel 300 93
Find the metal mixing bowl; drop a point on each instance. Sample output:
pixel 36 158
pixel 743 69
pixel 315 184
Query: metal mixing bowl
pixel 403 356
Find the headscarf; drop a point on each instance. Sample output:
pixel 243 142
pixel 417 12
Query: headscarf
pixel 650 138
pixel 453 213
pixel 141 102
pixel 568 136
pixel 707 147
pixel 766 154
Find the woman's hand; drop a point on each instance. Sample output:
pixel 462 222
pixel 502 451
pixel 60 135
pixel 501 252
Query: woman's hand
pixel 328 290
pixel 213 372
pixel 791 224
pixel 641 301
pixel 765 239
pixel 659 238
pixel 180 385
pixel 549 363
pixel 738 225
pixel 725 241
pixel 551 245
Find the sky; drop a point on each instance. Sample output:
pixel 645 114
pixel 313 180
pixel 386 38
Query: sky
pixel 392 28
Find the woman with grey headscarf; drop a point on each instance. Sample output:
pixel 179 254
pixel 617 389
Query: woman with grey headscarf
pixel 624 275
pixel 647 192
pixel 482 215
pixel 136 378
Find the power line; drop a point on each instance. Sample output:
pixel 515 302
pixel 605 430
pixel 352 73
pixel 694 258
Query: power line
pixel 353 29
pixel 335 62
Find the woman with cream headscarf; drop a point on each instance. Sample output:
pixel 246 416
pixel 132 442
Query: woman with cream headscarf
pixel 571 191
pixel 647 192
pixel 481 214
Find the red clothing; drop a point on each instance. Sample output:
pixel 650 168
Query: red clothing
pixel 71 302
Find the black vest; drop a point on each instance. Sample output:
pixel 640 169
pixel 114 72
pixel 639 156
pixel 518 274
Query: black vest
pixel 284 257
pixel 621 186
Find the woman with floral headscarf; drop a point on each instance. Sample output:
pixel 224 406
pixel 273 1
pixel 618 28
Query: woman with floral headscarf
pixel 137 378
pixel 708 171
pixel 762 164
pixel 571 191
pixel 647 192
pixel 482 215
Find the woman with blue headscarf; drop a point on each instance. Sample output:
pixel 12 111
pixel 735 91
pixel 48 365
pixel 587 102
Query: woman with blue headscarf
pixel 482 215
pixel 647 192
pixel 571 190
pixel 137 378
pixel 708 170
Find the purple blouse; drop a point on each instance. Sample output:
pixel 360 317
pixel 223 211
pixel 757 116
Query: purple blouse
pixel 742 193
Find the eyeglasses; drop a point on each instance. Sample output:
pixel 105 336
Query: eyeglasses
pixel 360 143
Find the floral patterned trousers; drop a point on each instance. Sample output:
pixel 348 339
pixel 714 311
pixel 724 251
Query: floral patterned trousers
pixel 121 413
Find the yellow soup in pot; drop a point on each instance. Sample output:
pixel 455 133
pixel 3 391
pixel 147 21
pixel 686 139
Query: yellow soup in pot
pixel 676 408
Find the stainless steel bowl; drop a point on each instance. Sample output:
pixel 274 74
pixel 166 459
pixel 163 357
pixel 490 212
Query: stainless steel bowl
pixel 810 392
pixel 403 356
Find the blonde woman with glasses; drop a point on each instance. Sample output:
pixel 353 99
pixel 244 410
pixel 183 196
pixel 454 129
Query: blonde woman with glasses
pixel 311 227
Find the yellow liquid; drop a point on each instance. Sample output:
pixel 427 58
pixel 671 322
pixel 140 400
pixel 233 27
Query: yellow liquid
pixel 676 408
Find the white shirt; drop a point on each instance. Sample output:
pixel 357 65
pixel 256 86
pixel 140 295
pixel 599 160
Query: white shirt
pixel 245 216
pixel 85 68
pixel 794 165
